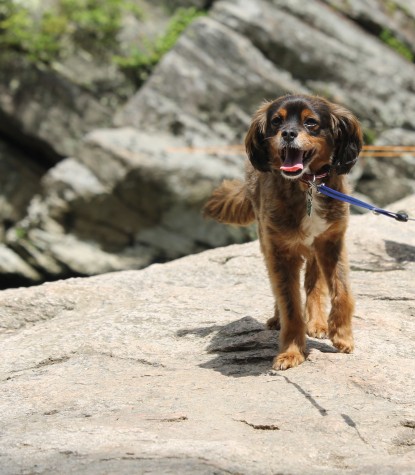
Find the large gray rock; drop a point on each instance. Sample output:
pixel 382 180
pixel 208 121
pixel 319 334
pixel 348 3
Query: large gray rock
pixel 206 88
pixel 321 49
pixel 388 179
pixel 50 108
pixel 377 16
pixel 166 370
pixel 250 50
pixel 19 181
pixel 128 200
pixel 44 111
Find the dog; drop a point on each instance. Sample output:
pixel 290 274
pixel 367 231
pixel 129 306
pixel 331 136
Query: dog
pixel 294 143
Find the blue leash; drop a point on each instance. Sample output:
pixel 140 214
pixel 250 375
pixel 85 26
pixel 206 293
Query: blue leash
pixel 325 190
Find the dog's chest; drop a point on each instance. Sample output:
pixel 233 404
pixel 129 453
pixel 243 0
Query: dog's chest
pixel 314 225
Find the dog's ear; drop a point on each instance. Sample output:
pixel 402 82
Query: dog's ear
pixel 255 143
pixel 347 137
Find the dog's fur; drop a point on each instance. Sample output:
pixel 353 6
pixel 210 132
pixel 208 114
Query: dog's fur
pixel 323 136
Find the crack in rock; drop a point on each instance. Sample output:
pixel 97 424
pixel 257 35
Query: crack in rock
pixel 410 423
pixel 260 426
pixel 51 361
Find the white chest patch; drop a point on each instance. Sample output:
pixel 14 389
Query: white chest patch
pixel 314 225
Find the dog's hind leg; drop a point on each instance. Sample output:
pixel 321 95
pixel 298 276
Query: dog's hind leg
pixel 316 295
pixel 274 323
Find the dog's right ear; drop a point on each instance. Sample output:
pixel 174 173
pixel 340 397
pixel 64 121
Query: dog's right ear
pixel 255 144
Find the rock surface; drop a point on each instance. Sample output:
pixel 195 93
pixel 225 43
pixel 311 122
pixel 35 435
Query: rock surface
pixel 396 16
pixel 167 370
pixel 389 179
pixel 250 50
pixel 129 199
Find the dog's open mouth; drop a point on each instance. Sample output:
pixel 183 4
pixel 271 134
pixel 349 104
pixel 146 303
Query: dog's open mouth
pixel 294 160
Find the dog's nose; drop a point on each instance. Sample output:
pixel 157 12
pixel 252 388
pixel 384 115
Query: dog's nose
pixel 289 135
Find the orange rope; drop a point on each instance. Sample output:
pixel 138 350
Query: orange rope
pixel 367 151
pixel 390 147
pixel 396 154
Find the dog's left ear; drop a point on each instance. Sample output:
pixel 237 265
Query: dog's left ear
pixel 348 139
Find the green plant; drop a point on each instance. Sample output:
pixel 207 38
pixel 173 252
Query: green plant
pixel 390 39
pixel 95 20
pixel 391 7
pixel 93 24
pixel 369 136
pixel 21 233
pixel 18 30
pixel 139 64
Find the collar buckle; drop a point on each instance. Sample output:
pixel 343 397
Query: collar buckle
pixel 310 179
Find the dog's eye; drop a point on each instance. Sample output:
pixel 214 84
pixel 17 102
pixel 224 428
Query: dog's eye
pixel 311 123
pixel 277 120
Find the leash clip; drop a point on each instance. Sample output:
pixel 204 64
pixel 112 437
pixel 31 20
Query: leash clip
pixel 402 217
pixel 314 185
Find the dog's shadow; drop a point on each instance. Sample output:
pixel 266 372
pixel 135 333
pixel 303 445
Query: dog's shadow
pixel 244 347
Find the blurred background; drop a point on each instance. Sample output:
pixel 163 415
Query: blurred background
pixel 117 118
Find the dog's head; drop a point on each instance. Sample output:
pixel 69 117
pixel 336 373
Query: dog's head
pixel 299 134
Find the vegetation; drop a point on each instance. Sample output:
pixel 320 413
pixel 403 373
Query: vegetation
pixel 390 39
pixel 139 64
pixel 92 25
pixel 369 136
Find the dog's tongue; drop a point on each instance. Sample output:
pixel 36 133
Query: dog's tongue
pixel 293 160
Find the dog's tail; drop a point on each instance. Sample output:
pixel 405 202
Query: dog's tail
pixel 229 204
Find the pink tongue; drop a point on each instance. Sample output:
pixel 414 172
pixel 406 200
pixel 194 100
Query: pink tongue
pixel 293 168
pixel 293 160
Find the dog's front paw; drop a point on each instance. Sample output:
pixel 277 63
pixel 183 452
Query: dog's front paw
pixel 288 359
pixel 317 330
pixel 344 345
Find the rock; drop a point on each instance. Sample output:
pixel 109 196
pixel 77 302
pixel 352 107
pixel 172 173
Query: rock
pixel 164 186
pixel 376 17
pixel 27 91
pixel 129 199
pixel 247 51
pixel 388 179
pixel 49 108
pixel 14 270
pixel 167 370
pixel 327 64
pixel 19 181
pixel 396 136
pixel 223 78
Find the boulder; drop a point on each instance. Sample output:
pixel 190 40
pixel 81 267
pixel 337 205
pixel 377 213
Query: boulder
pixel 128 200
pixel 388 179
pixel 49 108
pixel 247 51
pixel 43 111
pixel 223 78
pixel 167 370
pixel 393 19
pixel 19 181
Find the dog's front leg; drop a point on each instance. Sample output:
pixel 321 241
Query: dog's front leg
pixel 333 261
pixel 284 271
pixel 316 293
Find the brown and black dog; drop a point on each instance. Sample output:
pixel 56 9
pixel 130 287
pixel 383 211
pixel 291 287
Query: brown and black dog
pixel 292 141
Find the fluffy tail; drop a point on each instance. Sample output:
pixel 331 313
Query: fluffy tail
pixel 229 204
